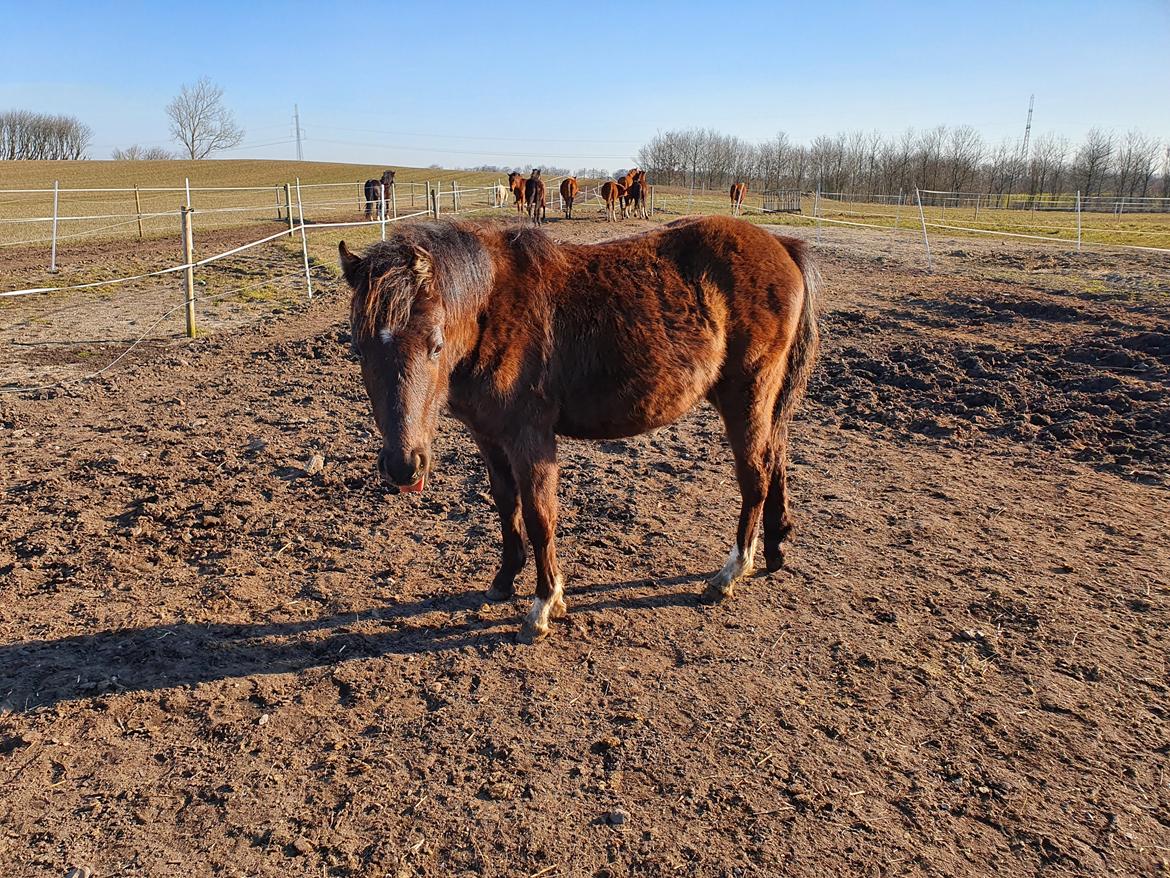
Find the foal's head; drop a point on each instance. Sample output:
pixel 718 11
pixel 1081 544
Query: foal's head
pixel 412 297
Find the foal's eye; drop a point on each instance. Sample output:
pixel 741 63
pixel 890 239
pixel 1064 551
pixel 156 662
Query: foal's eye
pixel 436 349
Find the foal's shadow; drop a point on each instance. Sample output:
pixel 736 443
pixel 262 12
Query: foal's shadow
pixel 46 672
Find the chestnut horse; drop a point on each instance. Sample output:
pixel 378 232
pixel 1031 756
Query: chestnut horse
pixel 377 192
pixel 626 183
pixel 569 190
pixel 534 195
pixel 526 340
pixel 612 193
pixel 738 191
pixel 516 184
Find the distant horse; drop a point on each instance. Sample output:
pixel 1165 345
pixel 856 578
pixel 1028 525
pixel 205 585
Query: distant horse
pixel 516 184
pixel 627 181
pixel 611 194
pixel 569 190
pixel 378 192
pixel 534 196
pixel 500 195
pixel 636 195
pixel 526 340
pixel 738 191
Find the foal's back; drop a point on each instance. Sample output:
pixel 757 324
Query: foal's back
pixel 643 328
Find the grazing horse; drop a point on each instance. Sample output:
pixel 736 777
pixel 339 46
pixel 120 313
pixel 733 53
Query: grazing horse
pixel 738 191
pixel 569 190
pixel 534 195
pixel 500 195
pixel 516 184
pixel 526 340
pixel 378 192
pixel 611 193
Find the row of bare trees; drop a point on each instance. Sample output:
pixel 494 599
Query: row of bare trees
pixel 136 153
pixel 953 159
pixel 38 136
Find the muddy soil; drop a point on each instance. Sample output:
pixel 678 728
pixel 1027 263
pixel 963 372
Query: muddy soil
pixel 226 650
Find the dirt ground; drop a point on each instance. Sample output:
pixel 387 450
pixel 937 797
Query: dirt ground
pixel 220 656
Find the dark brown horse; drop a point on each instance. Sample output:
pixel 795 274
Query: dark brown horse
pixel 377 192
pixel 526 340
pixel 569 190
pixel 612 194
pixel 534 195
pixel 738 191
pixel 516 184
pixel 636 194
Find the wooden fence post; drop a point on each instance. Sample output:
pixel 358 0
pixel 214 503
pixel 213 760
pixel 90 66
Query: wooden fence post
pixel 288 206
pixel 277 191
pixel 434 201
pixel 188 272
pixel 394 199
pixel 138 208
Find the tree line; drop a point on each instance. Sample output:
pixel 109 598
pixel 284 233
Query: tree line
pixel 953 159
pixel 38 136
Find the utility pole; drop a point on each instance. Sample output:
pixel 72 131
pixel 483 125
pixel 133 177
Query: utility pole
pixel 297 123
pixel 1028 127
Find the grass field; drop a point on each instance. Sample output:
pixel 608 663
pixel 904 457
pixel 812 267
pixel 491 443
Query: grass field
pixel 330 191
pixel 1134 229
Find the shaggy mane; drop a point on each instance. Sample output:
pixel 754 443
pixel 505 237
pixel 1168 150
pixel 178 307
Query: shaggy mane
pixel 445 257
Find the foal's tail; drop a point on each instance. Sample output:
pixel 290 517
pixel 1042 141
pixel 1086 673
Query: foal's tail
pixel 802 355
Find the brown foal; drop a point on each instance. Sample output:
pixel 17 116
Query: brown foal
pixel 526 340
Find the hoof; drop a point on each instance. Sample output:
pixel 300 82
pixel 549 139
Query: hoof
pixel 495 594
pixel 773 560
pixel 532 633
pixel 717 592
pixel 559 609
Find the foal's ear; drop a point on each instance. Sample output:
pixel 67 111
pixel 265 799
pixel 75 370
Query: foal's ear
pixel 421 264
pixel 350 265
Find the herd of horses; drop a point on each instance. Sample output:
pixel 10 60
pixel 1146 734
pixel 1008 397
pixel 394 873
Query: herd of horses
pixel 626 196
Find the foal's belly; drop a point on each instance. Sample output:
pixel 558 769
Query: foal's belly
pixel 601 418
pixel 613 400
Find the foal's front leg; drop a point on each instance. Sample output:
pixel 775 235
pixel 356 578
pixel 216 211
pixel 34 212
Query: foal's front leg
pixel 534 462
pixel 507 500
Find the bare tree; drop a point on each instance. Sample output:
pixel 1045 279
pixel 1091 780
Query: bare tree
pixel 200 121
pixel 28 135
pixel 1092 161
pixel 141 153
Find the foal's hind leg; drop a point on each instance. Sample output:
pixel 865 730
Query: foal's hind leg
pixel 778 523
pixel 504 492
pixel 749 430
pixel 534 461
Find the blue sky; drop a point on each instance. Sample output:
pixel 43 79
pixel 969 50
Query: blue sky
pixel 586 84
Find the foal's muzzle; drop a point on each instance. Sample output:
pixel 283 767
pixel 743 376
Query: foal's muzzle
pixel 408 473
